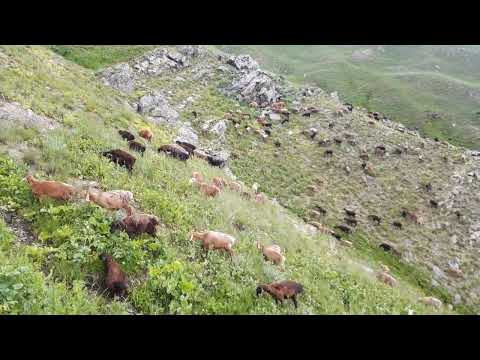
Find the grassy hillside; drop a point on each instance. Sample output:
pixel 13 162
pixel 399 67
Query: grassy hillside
pixel 169 274
pixel 405 83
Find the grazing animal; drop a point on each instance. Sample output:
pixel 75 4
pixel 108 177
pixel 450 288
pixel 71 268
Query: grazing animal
pixel 206 189
pixel 320 209
pixel 433 203
pixel 343 228
pixel 350 221
pixel 235 186
pixel 121 158
pixel 116 281
pixel 311 133
pixel 262 120
pixel 111 200
pixel 136 146
pixel 175 151
pixel 322 228
pixel 431 301
pixel 52 189
pixel 260 198
pixel 328 152
pixel 246 195
pixel 368 169
pixel 136 224
pixel 278 105
pixel 324 142
pixel 195 114
pixel 390 248
pixel 416 217
pixel 214 161
pixel 375 218
pixel 380 150
pixel 397 224
pixel 214 240
pixel 197 176
pixel 455 272
pixel 187 146
pixel 272 253
pixel 126 135
pixel 146 134
pixel 200 154
pixel 336 235
pixel 219 182
pixel 386 278
pixel 282 290
pixel 350 213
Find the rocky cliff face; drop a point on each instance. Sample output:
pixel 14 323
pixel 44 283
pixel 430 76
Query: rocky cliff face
pixel 374 166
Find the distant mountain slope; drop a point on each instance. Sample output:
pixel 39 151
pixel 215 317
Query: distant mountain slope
pixel 407 83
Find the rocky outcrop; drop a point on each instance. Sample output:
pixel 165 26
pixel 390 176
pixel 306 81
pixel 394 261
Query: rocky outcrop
pixel 156 108
pixel 160 60
pixel 15 114
pixel 257 85
pixel 190 51
pixel 243 62
pixel 124 77
pixel 187 135
pixel 120 77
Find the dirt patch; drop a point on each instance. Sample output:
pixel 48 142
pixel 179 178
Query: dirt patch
pixel 20 227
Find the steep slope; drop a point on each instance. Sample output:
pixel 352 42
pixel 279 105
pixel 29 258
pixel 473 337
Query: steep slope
pixel 441 244
pixel 407 83
pixel 168 272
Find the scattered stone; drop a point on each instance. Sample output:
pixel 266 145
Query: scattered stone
pixel 243 62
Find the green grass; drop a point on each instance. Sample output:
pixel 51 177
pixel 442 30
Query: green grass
pixel 169 274
pixel 96 57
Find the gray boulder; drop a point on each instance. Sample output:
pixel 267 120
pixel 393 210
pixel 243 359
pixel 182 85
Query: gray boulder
pixel 219 128
pixel 187 135
pixel 256 86
pixel 157 108
pixel 158 61
pixel 120 77
pixel 243 62
pixel 274 116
